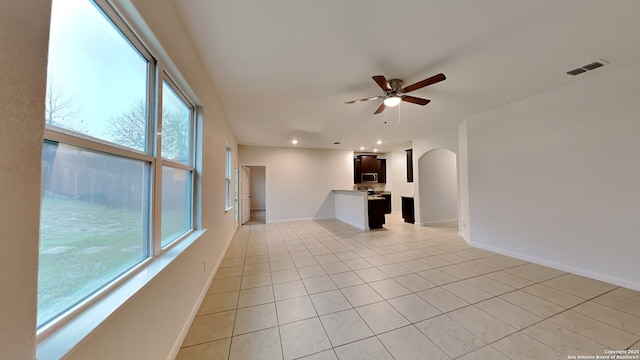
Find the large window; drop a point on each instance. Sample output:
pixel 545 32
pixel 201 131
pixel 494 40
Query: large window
pixel 117 160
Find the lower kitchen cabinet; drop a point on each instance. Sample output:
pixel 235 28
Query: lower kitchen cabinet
pixel 376 213
pixel 387 201
pixel 408 210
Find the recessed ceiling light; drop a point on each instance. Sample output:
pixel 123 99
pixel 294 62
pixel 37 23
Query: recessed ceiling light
pixel 379 142
pixel 361 147
pixel 375 150
pixel 294 141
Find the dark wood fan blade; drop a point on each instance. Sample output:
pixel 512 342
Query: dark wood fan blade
pixel 420 84
pixel 380 109
pixel 415 100
pixel 382 82
pixel 361 100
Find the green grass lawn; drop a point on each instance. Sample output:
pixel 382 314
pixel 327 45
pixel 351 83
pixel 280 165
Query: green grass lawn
pixel 84 246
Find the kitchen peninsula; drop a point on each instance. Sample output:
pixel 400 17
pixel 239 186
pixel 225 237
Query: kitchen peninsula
pixel 359 209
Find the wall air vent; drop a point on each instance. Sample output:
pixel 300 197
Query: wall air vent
pixel 577 71
pixel 594 65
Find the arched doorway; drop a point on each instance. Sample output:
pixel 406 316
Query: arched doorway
pixel 438 187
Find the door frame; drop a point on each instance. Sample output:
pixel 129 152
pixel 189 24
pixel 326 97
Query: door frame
pixel 266 194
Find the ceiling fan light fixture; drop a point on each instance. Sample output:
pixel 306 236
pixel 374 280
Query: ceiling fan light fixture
pixel 392 101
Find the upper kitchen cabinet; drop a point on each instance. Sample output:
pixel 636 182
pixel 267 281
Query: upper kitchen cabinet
pixel 409 165
pixel 357 170
pixel 382 171
pixel 369 163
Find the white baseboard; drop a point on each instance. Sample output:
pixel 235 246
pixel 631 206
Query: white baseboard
pixel 194 311
pixel 300 219
pixel 559 266
pixel 436 222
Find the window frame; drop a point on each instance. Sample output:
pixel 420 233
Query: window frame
pixel 228 177
pixel 157 74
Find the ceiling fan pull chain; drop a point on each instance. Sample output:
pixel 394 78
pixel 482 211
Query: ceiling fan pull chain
pixel 385 118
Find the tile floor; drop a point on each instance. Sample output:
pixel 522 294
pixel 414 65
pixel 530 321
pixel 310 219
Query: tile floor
pixel 324 290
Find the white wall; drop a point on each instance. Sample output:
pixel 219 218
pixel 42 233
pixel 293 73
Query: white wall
pixel 24 34
pixel 299 181
pixel 446 140
pixel 554 178
pixel 258 188
pixel 463 183
pixel 438 187
pixel 151 323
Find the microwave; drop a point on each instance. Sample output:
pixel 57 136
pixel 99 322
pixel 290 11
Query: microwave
pixel 369 178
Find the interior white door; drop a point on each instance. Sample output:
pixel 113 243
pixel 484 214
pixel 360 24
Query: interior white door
pixel 246 194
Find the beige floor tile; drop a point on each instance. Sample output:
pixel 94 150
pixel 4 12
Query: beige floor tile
pixel 435 261
pixel 323 355
pixel 346 279
pixel 357 264
pixel 438 276
pixel 219 302
pixel 635 346
pixel 255 296
pixel 550 294
pixel 381 317
pixel 487 327
pixel 259 345
pixel 319 284
pixel 281 276
pixel 335 268
pixel 371 274
pixel 476 267
pixel 510 280
pixel 295 309
pixel 326 258
pixel 415 265
pixel 231 262
pixel 361 295
pixel 409 343
pixel 394 270
pixel 366 349
pixel 595 330
pixel 282 265
pixel 491 286
pixel 467 292
pixel 255 280
pixel 414 308
pixel 303 338
pixel 619 319
pixel 308 272
pixel 534 272
pixel 458 272
pixel 289 290
pixel 562 340
pixel 579 286
pixel 214 350
pixel 344 327
pixel 623 301
pixel 451 337
pixel 521 346
pixel 347 255
pixel 305 261
pixel 508 313
pixel 255 318
pixel 330 302
pixel 210 327
pixel 224 285
pixel 415 282
pixel 442 299
pixel 252 269
pixel 378 260
pixel 389 288
pixel 486 353
pixel 532 303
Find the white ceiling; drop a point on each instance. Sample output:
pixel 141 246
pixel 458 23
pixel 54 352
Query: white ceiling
pixel 284 68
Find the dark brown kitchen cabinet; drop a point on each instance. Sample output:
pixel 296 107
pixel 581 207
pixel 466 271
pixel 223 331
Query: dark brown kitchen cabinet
pixel 369 163
pixel 387 203
pixel 357 170
pixel 376 213
pixel 409 165
pixel 382 171
pixel 408 210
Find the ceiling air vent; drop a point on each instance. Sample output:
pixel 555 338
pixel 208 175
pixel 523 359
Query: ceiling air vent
pixel 588 67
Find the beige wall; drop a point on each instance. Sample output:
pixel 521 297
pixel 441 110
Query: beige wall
pixel 24 34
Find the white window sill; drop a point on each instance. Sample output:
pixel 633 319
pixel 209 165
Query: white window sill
pixel 227 209
pixel 61 341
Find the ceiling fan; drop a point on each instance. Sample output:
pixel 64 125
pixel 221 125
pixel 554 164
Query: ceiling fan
pixel 394 92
